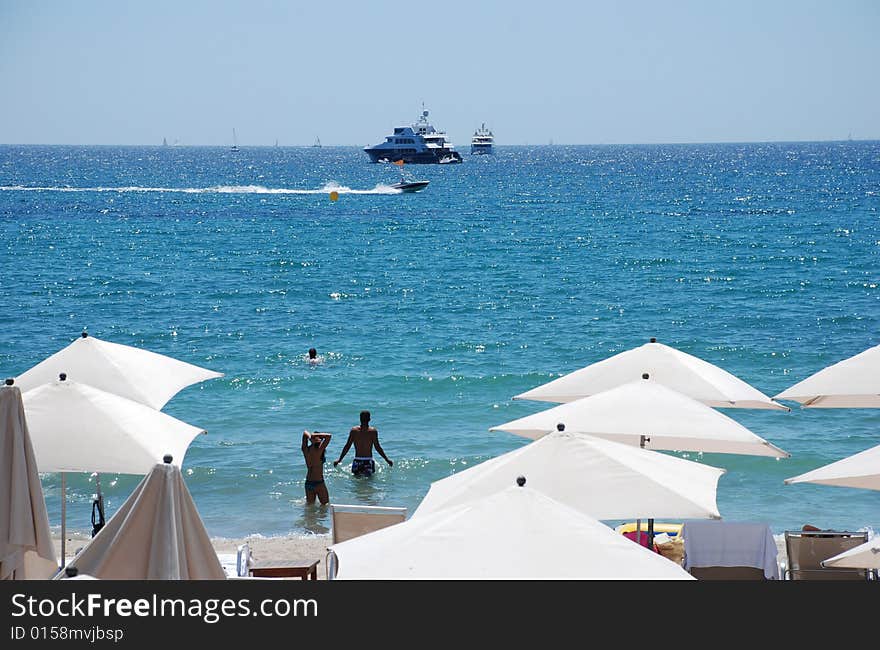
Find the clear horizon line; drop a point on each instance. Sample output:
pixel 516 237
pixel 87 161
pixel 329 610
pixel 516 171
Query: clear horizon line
pixel 521 144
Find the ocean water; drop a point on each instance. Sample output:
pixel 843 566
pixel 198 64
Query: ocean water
pixel 433 309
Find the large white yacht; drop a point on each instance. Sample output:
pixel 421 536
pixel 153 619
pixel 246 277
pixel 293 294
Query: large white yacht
pixel 482 141
pixel 418 143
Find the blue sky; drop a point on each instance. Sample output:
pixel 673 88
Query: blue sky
pixel 104 72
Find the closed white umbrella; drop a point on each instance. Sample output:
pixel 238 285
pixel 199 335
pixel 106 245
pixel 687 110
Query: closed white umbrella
pixel 139 375
pixel 861 470
pixel 685 373
pixel 72 573
pixel 26 548
pixel 157 534
pixel 600 478
pixel 851 383
pixel 647 412
pixel 864 556
pixel 516 533
pixel 76 427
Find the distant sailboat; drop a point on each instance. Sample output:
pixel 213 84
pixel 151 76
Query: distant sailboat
pixel 317 142
pixel 164 142
pixel 234 142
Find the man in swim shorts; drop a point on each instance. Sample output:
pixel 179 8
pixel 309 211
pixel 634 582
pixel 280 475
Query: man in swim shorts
pixel 313 447
pixel 364 438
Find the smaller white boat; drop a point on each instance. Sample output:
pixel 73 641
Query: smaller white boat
pixel 482 141
pixel 449 160
pixel 234 146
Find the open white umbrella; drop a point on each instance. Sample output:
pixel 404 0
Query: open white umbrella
pixel 687 374
pixel 864 556
pixel 157 534
pixel 26 548
pixel 647 413
pixel 139 375
pixel 851 383
pixel 861 470
pixel 516 533
pixel 76 427
pixel 134 373
pixel 600 478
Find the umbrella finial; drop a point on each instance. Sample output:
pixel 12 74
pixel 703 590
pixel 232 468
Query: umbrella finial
pixel 520 480
pixel 85 334
pixel 560 427
pixel 62 376
pixel 645 375
pixel 10 381
pixel 71 571
pixel 167 458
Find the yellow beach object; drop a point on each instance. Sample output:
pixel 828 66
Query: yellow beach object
pixel 334 195
pixel 672 530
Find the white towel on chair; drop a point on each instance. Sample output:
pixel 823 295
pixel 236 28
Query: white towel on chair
pixel 723 543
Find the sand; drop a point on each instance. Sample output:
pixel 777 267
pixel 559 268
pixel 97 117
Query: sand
pixel 295 549
pixel 291 548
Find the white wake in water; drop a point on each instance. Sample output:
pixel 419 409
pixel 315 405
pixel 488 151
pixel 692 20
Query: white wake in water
pixel 219 189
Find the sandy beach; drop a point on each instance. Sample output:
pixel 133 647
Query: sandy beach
pixel 273 549
pixel 294 548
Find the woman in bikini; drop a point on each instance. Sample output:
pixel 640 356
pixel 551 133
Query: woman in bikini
pixel 313 447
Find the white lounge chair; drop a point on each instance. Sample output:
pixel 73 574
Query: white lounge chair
pixel 350 521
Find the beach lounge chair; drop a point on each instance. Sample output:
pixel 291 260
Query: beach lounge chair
pixel 807 549
pixel 247 567
pixel 243 560
pixel 350 521
pixel 724 550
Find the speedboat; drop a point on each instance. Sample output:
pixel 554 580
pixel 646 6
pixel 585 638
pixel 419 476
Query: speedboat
pixel 410 186
pixel 417 143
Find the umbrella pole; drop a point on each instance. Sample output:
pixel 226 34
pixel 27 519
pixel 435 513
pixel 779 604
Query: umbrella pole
pixel 63 518
pixel 642 441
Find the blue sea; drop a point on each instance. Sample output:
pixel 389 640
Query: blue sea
pixel 432 310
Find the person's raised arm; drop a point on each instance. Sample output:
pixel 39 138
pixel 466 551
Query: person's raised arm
pixel 344 450
pixel 380 450
pixel 305 442
pixel 323 439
